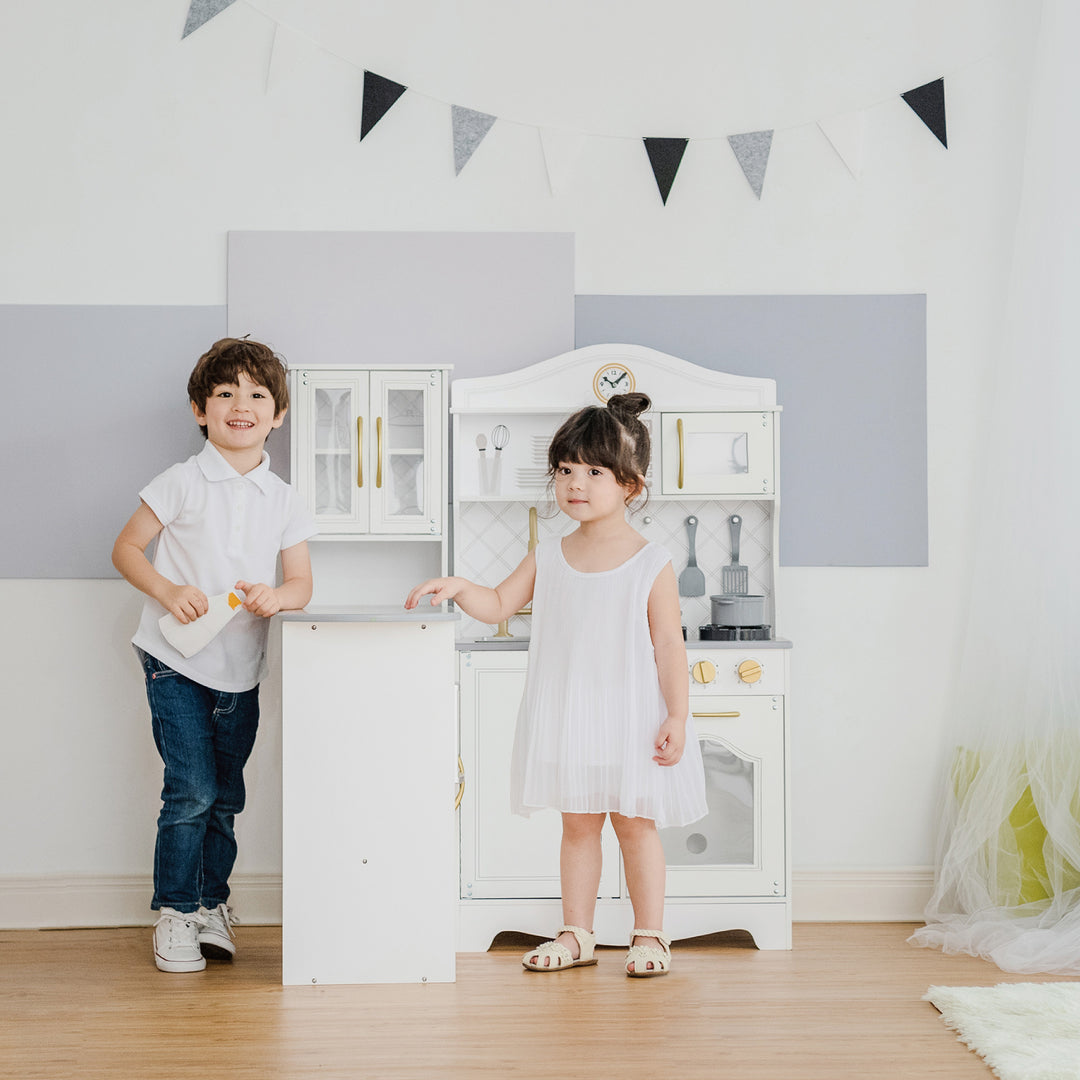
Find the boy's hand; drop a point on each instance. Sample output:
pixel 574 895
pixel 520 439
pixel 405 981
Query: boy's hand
pixel 670 741
pixel 185 602
pixel 259 599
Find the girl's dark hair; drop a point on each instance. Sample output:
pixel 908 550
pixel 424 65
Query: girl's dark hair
pixel 612 437
pixel 223 362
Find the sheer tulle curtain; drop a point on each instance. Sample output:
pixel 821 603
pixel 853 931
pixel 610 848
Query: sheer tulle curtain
pixel 1008 886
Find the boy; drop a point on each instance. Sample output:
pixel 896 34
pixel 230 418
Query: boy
pixel 221 520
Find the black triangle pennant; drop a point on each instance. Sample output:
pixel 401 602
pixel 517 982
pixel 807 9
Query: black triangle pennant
pixel 928 102
pixel 665 156
pixel 379 94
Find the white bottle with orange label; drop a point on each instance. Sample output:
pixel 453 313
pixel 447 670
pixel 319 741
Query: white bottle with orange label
pixel 188 638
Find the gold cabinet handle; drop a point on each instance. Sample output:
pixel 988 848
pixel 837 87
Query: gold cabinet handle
pixel 359 451
pixel 717 714
pixel 679 429
pixel 378 451
pixel 461 782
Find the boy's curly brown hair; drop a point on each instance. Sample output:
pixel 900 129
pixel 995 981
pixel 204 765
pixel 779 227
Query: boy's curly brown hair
pixel 223 362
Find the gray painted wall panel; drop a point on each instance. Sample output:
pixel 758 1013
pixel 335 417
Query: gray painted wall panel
pixel 97 407
pixel 851 376
pixel 484 302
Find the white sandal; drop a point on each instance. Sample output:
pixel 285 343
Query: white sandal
pixel 643 955
pixel 558 955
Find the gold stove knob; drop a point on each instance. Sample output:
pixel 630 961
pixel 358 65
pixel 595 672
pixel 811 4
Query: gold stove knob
pixel 703 672
pixel 749 671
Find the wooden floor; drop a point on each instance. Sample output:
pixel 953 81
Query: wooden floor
pixel 845 1002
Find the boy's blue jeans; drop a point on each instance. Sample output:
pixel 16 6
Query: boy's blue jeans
pixel 204 738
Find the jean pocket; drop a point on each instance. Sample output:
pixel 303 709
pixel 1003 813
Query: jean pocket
pixel 154 668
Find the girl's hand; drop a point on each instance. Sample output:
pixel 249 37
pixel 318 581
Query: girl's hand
pixel 259 599
pixel 185 602
pixel 441 590
pixel 670 741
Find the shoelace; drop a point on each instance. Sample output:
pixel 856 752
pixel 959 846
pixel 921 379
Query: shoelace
pixel 174 922
pixel 226 916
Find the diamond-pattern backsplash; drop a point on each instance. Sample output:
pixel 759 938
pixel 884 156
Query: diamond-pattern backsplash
pixel 492 538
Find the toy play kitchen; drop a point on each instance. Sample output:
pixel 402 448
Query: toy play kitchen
pixel 715 442
pixel 714 504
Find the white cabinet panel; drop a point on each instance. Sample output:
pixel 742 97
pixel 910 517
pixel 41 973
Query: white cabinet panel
pixel 504 855
pixel 368 753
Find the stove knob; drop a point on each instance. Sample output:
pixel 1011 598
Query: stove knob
pixel 749 671
pixel 703 671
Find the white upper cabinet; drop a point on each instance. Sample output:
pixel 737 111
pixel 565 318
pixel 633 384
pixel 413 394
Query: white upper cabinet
pixel 367 450
pixel 714 434
pixel 717 453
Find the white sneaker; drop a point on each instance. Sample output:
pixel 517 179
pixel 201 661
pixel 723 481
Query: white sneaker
pixel 176 942
pixel 216 936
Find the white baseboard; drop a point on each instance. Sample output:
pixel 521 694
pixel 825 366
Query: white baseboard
pixel 835 894
pixel 55 902
pixel 844 894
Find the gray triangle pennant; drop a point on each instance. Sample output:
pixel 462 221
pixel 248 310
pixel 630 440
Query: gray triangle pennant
pixel 752 153
pixel 202 11
pixel 470 127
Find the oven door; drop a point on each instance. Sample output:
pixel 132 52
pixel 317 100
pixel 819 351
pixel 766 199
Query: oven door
pixel 738 848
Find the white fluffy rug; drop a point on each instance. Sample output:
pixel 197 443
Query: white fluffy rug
pixel 1023 1031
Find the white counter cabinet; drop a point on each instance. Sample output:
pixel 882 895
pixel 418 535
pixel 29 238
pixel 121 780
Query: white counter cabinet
pixel 369 746
pixel 728 871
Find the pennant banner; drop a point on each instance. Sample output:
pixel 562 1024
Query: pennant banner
pixel 665 156
pixel 752 153
pixel 561 148
pixel 928 101
pixel 202 11
pixel 379 95
pixel 470 127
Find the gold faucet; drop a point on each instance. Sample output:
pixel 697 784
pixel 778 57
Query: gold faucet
pixel 503 630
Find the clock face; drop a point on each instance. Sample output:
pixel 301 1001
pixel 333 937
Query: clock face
pixel 612 379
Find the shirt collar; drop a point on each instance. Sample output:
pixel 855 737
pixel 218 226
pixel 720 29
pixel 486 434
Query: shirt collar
pixel 214 467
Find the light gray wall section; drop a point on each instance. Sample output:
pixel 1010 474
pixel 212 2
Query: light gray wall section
pixel 851 376
pixel 97 406
pixel 485 302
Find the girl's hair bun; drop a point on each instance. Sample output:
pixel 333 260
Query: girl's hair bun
pixel 628 406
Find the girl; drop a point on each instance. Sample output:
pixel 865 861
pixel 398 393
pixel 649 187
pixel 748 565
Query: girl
pixel 602 728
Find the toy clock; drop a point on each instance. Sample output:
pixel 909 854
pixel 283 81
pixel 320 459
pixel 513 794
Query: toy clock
pixel 613 379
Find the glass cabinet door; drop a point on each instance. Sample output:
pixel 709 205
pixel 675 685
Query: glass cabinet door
pixel 717 453
pixel 737 849
pixel 331 460
pixel 405 479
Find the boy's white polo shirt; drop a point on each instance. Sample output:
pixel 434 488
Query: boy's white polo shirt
pixel 220 527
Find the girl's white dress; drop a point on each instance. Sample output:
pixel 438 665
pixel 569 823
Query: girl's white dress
pixel 592 704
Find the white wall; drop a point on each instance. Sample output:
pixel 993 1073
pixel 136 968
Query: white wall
pixel 129 154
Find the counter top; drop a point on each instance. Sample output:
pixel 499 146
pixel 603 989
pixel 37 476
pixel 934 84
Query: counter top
pixel 520 644
pixel 367 613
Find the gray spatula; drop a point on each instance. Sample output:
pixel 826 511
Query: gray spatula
pixel 735 579
pixel 692 580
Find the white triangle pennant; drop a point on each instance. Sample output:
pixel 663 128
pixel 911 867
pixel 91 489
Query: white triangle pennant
pixel 288 52
pixel 562 152
pixel 469 128
pixel 846 134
